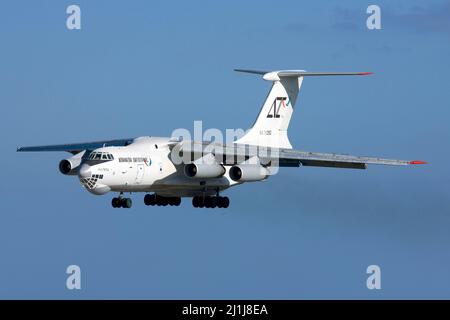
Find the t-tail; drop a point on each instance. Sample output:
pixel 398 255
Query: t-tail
pixel 271 125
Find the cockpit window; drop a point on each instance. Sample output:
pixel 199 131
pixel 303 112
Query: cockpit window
pixel 100 156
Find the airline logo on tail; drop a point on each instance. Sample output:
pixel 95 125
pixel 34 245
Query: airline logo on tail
pixel 279 102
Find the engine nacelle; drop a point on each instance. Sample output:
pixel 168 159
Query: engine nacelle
pixel 248 172
pixel 70 166
pixel 204 170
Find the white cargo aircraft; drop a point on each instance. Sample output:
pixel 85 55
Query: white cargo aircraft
pixel 170 168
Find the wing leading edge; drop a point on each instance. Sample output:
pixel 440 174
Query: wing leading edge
pixel 77 147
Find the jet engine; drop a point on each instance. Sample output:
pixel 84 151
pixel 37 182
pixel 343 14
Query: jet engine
pixel 205 167
pixel 203 170
pixel 70 166
pixel 248 172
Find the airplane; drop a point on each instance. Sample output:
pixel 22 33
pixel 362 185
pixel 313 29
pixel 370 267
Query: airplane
pixel 169 168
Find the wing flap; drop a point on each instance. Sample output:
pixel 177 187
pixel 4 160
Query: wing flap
pixel 333 164
pixel 338 160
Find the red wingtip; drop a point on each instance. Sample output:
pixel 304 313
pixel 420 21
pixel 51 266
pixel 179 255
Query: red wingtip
pixel 365 73
pixel 417 162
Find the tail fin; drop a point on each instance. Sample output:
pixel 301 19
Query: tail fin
pixel 271 125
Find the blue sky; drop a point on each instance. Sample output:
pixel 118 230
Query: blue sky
pixel 146 68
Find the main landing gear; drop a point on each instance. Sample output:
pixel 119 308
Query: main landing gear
pixel 157 200
pixel 154 199
pixel 121 202
pixel 210 202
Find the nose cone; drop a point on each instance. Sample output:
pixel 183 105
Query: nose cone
pixel 85 171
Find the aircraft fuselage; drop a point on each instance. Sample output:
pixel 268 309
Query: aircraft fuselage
pixel 143 166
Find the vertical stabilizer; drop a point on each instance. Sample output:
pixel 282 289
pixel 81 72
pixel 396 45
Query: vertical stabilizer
pixel 272 123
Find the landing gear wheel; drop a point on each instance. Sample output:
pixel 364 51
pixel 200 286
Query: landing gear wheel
pixel 177 201
pixel 126 203
pixel 223 202
pixel 115 202
pixel 150 200
pixel 220 202
pixel 207 202
pixel 212 202
pixel 174 201
pixel 158 200
pixel 201 202
pixel 195 202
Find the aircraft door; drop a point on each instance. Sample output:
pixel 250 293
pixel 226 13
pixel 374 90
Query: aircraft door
pixel 140 173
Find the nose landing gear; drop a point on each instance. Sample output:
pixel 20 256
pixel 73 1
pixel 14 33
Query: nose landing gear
pixel 121 202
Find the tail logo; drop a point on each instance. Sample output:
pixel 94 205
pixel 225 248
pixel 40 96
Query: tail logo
pixel 279 102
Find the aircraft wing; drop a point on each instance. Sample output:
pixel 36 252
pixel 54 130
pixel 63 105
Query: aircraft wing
pixel 316 159
pixel 74 148
pixel 237 153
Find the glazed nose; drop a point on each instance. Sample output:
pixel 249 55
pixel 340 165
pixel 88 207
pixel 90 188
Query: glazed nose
pixel 85 171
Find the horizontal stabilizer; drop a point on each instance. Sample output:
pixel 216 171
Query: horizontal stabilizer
pixel 275 75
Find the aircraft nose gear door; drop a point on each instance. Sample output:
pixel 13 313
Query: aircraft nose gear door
pixel 140 173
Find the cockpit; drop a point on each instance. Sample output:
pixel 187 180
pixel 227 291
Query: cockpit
pixel 100 156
